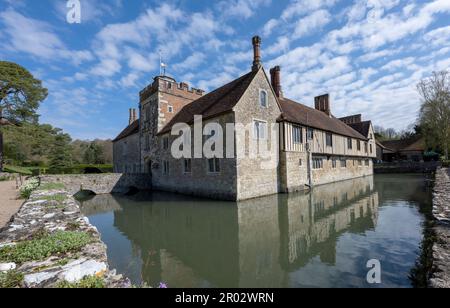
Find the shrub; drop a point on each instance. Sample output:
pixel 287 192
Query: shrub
pixel 16 169
pixel 40 248
pixel 446 163
pixel 10 279
pixel 28 188
pixel 88 282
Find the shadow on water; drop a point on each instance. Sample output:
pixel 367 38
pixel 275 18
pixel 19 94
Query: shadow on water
pixel 323 238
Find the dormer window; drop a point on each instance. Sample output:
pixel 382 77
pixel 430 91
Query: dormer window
pixel 263 99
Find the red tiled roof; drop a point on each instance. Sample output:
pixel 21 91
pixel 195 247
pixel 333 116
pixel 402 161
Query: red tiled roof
pixel 212 104
pixel 131 129
pixel 304 115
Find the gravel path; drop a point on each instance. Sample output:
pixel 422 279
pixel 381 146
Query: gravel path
pixel 9 205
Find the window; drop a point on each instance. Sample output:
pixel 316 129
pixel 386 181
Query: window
pixel 317 163
pixel 359 145
pixel 310 134
pixel 263 99
pixel 360 162
pixel 371 149
pixel 147 142
pixel 166 143
pixel 343 163
pixel 147 113
pixel 300 162
pixel 297 132
pixel 213 165
pixel 334 163
pixel 170 109
pixel 349 143
pixel 260 130
pixel 166 167
pixel 169 85
pixel 187 166
pixel 365 147
pixel 371 136
pixel 329 139
pixel 367 163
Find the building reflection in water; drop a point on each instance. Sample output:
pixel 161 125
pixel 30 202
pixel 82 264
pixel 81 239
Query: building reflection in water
pixel 190 242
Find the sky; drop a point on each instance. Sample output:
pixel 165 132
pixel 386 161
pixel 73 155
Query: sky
pixel 367 54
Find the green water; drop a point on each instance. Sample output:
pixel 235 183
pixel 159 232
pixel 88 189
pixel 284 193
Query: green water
pixel 318 239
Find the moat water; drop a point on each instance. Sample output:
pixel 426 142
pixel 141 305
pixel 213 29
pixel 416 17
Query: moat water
pixel 320 239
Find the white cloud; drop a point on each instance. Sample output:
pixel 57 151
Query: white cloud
pixel 190 62
pixel 37 39
pixel 311 23
pixel 241 8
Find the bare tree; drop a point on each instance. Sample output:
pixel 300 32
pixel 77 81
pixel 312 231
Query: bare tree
pixel 435 110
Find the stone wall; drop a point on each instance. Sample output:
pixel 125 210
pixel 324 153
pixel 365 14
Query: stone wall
pixel 100 183
pixel 51 213
pixel 328 174
pixel 126 155
pixel 440 277
pixel 257 176
pixel 199 181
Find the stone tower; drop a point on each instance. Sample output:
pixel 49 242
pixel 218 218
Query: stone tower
pixel 158 104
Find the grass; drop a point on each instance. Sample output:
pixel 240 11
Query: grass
pixel 10 279
pixel 4 178
pixel 52 186
pixel 42 247
pixel 58 198
pixel 88 282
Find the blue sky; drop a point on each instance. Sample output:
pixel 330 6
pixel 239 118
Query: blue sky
pixel 369 55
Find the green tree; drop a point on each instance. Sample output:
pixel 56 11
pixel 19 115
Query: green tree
pixel 435 111
pixel 94 154
pixel 20 96
pixel 60 155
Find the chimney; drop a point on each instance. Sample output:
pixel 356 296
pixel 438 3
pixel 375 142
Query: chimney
pixel 256 53
pixel 133 116
pixel 323 103
pixel 275 78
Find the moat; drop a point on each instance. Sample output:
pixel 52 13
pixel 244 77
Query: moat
pixel 318 239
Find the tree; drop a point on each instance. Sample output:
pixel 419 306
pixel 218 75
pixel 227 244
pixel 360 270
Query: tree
pixel 60 155
pixel 435 111
pixel 20 96
pixel 94 154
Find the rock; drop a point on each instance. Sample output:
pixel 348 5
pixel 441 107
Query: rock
pixel 4 267
pixel 75 271
pixel 34 280
pixel 48 216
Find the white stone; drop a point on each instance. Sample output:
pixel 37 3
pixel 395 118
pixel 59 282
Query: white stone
pixel 38 278
pixel 86 220
pixel 75 271
pixel 4 267
pixel 48 216
pixel 7 245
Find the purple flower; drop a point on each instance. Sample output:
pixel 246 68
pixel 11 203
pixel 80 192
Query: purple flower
pixel 162 285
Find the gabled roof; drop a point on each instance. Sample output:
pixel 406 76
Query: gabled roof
pixel 131 129
pixel 213 104
pixel 304 115
pixel 362 127
pixel 412 144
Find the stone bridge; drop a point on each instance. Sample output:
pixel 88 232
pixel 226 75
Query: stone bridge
pixel 100 183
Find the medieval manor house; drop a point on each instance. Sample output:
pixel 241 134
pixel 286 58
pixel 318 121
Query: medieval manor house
pixel 312 146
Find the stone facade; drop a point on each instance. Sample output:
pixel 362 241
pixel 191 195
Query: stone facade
pixel 127 155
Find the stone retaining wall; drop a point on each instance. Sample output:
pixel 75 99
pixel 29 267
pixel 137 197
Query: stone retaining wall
pixel 50 212
pixel 440 277
pixel 104 183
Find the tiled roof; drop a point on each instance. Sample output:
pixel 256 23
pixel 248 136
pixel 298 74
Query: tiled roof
pixel 362 127
pixel 303 115
pixel 412 144
pixel 212 104
pixel 131 129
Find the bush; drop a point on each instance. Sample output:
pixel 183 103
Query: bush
pixel 10 279
pixel 41 248
pixel 82 169
pixel 28 188
pixel 446 163
pixel 88 282
pixel 17 169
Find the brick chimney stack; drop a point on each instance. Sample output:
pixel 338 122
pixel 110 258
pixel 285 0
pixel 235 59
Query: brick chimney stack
pixel 256 53
pixel 275 76
pixel 323 103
